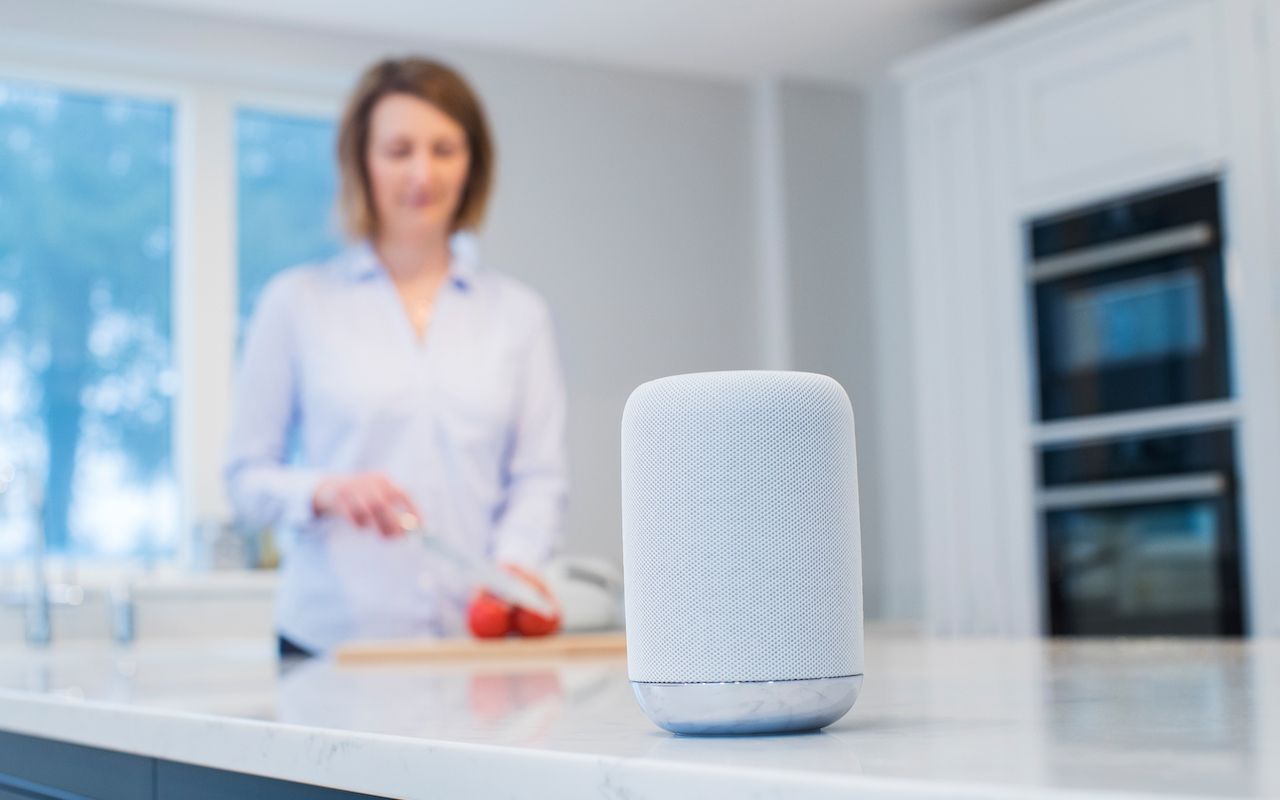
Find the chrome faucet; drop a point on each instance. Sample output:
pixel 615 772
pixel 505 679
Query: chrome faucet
pixel 39 630
pixel 38 627
pixel 122 616
pixel 40 595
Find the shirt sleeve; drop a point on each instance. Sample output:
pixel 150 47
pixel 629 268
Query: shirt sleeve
pixel 537 481
pixel 263 489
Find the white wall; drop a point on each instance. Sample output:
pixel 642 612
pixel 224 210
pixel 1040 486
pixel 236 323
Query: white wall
pixel 625 197
pixel 831 294
pixel 903 596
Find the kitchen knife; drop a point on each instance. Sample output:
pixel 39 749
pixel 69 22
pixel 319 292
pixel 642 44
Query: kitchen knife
pixel 494 579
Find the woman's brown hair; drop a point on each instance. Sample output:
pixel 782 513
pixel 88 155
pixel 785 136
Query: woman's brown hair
pixel 443 88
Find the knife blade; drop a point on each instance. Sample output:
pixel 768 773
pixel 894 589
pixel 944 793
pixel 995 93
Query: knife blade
pixel 481 573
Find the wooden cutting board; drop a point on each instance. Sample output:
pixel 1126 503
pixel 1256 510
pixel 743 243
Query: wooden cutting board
pixel 513 647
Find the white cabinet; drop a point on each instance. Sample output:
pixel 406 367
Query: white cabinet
pixel 1128 94
pixel 962 354
pixel 1068 104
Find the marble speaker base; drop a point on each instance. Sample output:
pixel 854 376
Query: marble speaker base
pixel 745 707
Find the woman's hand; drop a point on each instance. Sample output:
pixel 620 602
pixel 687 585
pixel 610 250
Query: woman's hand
pixel 366 500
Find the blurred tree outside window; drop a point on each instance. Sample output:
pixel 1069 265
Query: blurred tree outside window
pixel 285 211
pixel 87 378
pixel 286 193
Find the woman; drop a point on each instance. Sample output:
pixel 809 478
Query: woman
pixel 419 385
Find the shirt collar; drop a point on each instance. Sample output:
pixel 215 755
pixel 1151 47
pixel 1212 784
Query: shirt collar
pixel 360 261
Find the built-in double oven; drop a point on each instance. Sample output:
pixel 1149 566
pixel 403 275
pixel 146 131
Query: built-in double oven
pixel 1138 499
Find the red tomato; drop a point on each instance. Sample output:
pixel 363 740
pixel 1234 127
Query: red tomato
pixel 488 617
pixel 530 624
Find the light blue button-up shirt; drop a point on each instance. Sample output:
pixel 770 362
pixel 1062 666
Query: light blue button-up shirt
pixel 469 421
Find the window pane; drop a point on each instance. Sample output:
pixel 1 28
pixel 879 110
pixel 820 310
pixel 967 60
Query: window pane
pixel 287 184
pixel 86 372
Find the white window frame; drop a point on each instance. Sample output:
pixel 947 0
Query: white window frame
pixel 203 261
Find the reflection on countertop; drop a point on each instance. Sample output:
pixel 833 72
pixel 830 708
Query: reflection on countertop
pixel 1178 717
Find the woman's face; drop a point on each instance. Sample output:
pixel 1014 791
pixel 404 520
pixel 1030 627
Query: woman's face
pixel 418 164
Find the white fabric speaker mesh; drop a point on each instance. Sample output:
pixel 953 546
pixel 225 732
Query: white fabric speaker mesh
pixel 740 523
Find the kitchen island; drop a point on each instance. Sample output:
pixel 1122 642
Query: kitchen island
pixel 937 718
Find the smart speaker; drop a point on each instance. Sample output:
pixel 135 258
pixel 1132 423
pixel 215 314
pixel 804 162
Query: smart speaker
pixel 741 554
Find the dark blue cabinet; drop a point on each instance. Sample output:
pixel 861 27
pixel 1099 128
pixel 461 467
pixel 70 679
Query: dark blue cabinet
pixel 47 768
pixel 32 768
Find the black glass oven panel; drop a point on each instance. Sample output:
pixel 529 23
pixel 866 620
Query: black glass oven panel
pixel 1124 219
pixel 1138 457
pixel 1168 568
pixel 1144 334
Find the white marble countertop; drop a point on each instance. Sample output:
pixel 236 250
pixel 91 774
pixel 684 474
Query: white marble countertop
pixel 953 718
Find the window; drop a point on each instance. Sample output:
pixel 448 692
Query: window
pixel 86 371
pixel 285 195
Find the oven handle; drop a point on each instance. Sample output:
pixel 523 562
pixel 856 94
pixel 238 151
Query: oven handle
pixel 1137 490
pixel 1138 248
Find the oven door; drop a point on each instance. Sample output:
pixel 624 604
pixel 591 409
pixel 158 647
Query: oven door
pixel 1132 325
pixel 1143 557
